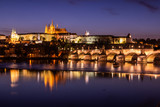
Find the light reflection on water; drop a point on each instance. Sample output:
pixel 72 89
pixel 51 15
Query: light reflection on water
pixel 83 84
pixel 55 81
pixel 82 66
pixel 50 79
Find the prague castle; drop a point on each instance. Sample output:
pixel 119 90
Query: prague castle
pixel 52 32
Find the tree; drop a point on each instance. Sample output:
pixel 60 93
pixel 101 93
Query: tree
pixel 21 38
pixel 34 38
pixel 54 39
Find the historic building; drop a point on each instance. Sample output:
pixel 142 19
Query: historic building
pixel 51 32
pixel 91 39
pixel 2 37
pixel 110 39
pixel 122 39
pixel 54 30
pixel 15 38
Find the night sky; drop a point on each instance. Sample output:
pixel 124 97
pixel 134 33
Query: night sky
pixel 141 18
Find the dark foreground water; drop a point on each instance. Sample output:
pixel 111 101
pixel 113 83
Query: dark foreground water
pixel 78 84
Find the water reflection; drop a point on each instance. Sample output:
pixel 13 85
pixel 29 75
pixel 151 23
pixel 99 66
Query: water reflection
pixel 79 87
pixel 14 77
pixel 82 66
pixel 51 79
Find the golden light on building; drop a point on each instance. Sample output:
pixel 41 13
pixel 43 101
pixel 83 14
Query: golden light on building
pixel 54 30
pixel 122 40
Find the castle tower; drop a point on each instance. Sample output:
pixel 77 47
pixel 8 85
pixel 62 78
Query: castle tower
pixel 46 29
pixel 129 38
pixel 57 26
pixel 129 35
pixel 52 28
pixel 14 36
pixel 87 33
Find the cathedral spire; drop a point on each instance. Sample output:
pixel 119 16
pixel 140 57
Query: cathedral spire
pixel 52 28
pixel 46 29
pixel 52 23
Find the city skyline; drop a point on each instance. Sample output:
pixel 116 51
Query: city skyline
pixel 138 17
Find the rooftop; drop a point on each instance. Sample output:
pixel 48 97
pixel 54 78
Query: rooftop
pixel 2 35
pixel 97 35
pixel 47 33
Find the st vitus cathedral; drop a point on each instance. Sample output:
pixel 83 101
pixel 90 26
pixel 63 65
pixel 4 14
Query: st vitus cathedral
pixel 51 29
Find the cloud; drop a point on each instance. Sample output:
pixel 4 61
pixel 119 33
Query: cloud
pixel 110 11
pixel 147 4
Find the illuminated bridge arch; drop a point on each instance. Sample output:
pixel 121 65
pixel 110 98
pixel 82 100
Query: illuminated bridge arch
pixel 120 58
pixel 81 55
pixel 111 56
pixel 154 58
pixel 95 56
pixel 102 57
pixel 131 57
pixel 87 56
pixel 73 56
pixel 142 58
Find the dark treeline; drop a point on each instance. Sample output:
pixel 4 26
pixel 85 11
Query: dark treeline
pixel 148 41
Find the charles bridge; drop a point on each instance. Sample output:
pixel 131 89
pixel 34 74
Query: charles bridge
pixel 118 55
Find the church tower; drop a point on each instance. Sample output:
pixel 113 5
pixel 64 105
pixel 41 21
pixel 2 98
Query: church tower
pixel 14 36
pixel 57 26
pixel 52 28
pixel 46 29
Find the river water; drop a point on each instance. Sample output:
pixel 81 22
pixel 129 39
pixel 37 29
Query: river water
pixel 78 84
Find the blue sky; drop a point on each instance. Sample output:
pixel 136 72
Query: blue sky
pixel 141 18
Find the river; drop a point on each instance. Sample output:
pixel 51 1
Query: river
pixel 58 83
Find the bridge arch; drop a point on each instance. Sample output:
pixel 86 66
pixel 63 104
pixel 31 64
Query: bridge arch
pixel 102 57
pixel 73 56
pixel 131 57
pixel 120 57
pixel 95 56
pixel 154 58
pixel 87 56
pixel 111 56
pixel 81 55
pixel 142 58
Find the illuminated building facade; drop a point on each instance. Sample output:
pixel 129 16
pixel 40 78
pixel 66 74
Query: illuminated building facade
pixel 14 36
pixel 91 39
pixel 2 37
pixel 54 30
pixel 30 37
pixel 50 33
pixel 122 39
